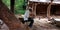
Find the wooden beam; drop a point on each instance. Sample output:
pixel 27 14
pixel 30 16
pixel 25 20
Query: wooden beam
pixel 35 8
pixel 48 10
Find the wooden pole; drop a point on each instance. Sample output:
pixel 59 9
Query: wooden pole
pixel 48 9
pixel 35 9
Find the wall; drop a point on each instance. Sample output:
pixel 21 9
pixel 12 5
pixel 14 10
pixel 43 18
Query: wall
pixel 41 9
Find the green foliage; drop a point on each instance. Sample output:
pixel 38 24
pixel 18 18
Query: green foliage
pixel 7 2
pixel 19 11
pixel 18 6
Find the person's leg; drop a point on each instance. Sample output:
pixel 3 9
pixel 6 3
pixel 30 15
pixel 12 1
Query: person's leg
pixel 22 20
pixel 31 22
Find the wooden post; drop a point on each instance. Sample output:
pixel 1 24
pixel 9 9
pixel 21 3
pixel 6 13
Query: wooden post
pixel 35 8
pixel 48 9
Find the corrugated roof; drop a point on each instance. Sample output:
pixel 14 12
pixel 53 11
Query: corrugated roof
pixel 55 1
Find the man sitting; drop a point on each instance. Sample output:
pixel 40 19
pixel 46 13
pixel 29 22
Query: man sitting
pixel 28 17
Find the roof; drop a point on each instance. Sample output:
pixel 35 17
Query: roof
pixel 47 1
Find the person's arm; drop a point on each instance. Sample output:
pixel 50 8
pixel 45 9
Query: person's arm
pixel 26 15
pixel 32 15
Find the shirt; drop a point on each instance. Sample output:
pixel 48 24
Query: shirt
pixel 26 15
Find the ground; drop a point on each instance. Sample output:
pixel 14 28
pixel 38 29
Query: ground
pixel 44 24
pixel 39 24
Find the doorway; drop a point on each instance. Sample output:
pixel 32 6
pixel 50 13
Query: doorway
pixel 41 9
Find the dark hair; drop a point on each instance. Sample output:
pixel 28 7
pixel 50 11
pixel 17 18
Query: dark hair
pixel 52 0
pixel 30 10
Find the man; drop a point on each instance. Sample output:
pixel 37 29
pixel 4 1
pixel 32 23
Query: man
pixel 28 17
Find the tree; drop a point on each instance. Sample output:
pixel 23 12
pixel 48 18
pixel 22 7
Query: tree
pixel 7 3
pixel 19 7
pixel 12 5
pixel 9 18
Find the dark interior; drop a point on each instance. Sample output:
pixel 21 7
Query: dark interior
pixel 42 9
pixel 55 10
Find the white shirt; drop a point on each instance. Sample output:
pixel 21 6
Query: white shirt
pixel 26 15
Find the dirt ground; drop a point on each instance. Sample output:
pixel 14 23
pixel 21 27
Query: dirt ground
pixel 39 24
pixel 43 24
